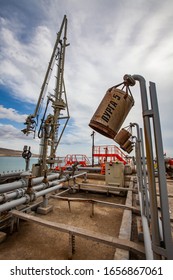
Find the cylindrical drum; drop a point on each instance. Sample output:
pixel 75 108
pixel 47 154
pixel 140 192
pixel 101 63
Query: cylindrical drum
pixel 127 144
pixel 129 149
pixel 122 136
pixel 111 112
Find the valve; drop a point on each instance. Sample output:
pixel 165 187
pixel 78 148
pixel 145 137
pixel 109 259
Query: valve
pixel 26 152
pixel 26 155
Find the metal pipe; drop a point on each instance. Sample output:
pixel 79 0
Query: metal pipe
pixel 93 147
pixel 138 151
pixel 142 171
pixel 78 175
pixel 27 198
pixel 12 186
pixel 20 192
pixel 146 194
pixel 9 196
pixel 46 191
pixel 150 163
pixel 51 177
pixel 13 203
pixel 166 226
pixel 24 183
pixel 146 231
pixel 89 168
pixel 4 176
pixel 139 172
pixel 147 114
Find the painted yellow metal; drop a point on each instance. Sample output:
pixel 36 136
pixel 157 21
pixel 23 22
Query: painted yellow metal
pixel 127 146
pixel 122 136
pixel 111 112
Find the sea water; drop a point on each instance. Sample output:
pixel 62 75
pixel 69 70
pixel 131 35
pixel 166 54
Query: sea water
pixel 14 164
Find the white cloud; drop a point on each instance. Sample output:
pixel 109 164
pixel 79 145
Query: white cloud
pixel 9 132
pixel 11 114
pixel 107 40
pixel 23 65
pixel 13 138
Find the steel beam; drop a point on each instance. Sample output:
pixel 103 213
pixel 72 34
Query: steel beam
pixel 150 163
pixel 165 217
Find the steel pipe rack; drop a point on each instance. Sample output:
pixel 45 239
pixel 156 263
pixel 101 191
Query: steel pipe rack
pixel 167 249
pixel 26 199
pixel 21 192
pixel 34 195
pixel 24 182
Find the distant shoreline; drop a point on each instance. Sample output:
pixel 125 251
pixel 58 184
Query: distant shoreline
pixel 12 153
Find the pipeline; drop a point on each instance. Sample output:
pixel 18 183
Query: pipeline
pixel 20 192
pixel 26 198
pixel 146 231
pixel 24 183
pixel 88 168
pixel 147 237
pixel 6 176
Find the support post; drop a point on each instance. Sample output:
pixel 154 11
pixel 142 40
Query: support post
pixel 92 135
pixel 147 212
pixel 150 164
pixel 165 219
pixel 146 231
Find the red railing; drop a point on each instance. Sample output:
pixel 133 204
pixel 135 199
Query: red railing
pixel 109 153
pixel 81 159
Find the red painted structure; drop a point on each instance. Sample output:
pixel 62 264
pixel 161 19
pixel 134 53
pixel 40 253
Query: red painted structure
pixel 69 160
pixel 109 153
pixel 81 159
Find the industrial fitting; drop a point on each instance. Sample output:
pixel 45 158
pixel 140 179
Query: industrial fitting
pixel 26 152
pixel 4 197
pixel 45 180
pixel 129 80
pixel 29 191
pixel 20 192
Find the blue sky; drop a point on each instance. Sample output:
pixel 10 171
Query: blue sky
pixel 108 38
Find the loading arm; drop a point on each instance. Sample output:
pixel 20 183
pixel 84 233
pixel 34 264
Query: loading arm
pixel 32 119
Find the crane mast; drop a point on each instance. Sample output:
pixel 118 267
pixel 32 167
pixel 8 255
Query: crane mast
pixel 49 128
pixel 58 103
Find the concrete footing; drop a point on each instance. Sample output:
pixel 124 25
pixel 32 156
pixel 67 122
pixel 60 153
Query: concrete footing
pixel 44 210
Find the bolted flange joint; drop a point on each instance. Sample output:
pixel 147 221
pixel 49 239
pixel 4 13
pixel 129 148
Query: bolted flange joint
pixel 20 192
